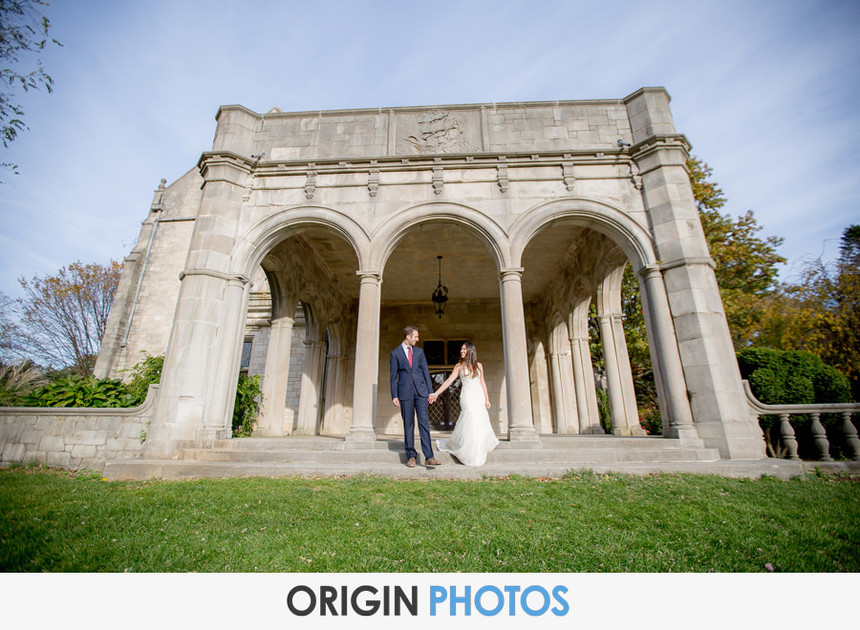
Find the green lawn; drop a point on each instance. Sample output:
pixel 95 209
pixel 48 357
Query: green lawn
pixel 57 521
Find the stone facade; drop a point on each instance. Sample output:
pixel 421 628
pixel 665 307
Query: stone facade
pixel 315 237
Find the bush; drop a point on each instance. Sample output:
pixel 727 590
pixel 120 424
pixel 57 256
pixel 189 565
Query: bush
pixel 248 399
pixel 79 391
pixel 780 377
pixel 146 372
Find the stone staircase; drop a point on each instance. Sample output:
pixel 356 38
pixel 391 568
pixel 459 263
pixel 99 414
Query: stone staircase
pixel 330 456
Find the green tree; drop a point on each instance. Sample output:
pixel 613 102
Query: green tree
pixel 746 265
pixel 821 312
pixel 23 35
pixel 63 317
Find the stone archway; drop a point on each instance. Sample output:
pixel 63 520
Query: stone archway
pixel 573 253
pixel 312 280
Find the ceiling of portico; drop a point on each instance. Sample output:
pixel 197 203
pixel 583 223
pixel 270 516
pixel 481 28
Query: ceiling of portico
pixel 411 272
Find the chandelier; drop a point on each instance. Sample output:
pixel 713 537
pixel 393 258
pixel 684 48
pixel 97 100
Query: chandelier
pixel 440 295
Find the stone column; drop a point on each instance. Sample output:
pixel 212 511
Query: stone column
pixel 628 390
pixel 366 359
pixel 622 399
pixel 310 391
pixel 271 423
pixel 668 373
pixel 613 375
pixel 563 387
pixel 583 371
pixel 520 424
pixel 333 413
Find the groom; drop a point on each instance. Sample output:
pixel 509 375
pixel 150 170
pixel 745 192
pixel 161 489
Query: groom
pixel 411 388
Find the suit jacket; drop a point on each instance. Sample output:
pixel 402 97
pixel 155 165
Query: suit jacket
pixel 406 381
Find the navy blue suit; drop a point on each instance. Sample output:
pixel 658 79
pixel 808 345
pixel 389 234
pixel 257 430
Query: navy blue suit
pixel 411 386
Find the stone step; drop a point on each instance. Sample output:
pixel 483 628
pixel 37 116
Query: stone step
pixel 178 469
pixel 499 456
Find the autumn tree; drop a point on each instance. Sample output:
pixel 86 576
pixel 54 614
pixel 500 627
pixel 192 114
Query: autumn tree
pixel 746 265
pixel 820 313
pixel 23 35
pixel 63 317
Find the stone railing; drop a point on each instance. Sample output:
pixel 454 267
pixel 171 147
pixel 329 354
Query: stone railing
pixel 73 437
pixel 819 435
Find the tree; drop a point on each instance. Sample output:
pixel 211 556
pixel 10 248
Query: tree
pixel 821 312
pixel 63 317
pixel 23 34
pixel 746 265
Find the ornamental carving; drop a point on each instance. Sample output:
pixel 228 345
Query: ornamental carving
pixel 437 132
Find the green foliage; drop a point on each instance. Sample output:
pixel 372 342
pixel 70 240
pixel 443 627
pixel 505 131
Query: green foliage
pixel 651 420
pixel 248 400
pixel 23 35
pixel 746 265
pixel 821 312
pixel 79 391
pixel 779 377
pixel 146 372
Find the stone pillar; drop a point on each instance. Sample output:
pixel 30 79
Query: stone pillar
pixel 564 392
pixel 622 399
pixel 613 376
pixel 334 385
pixel 628 390
pixel 583 371
pixel 366 359
pixel 520 424
pixel 311 389
pixel 668 372
pixel 194 377
pixel 705 347
pixel 219 419
pixel 271 423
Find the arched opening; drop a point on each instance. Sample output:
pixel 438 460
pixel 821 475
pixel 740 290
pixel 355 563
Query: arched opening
pixel 300 332
pixel 572 284
pixel 473 312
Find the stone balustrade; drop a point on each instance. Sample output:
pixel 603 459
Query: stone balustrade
pixel 73 437
pixel 819 434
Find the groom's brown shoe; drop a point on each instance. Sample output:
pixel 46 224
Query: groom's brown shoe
pixel 410 463
pixel 432 462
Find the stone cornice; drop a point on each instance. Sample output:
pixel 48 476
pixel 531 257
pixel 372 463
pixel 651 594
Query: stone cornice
pixel 336 166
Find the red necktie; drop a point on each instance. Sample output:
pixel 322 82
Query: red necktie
pixel 409 353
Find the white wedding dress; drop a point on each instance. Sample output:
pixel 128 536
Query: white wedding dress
pixel 473 437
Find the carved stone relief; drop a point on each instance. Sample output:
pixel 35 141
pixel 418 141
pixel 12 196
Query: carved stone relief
pixel 436 132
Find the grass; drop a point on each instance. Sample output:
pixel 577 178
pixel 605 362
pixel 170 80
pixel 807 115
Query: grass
pixel 585 522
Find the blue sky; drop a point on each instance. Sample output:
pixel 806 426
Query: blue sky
pixel 767 93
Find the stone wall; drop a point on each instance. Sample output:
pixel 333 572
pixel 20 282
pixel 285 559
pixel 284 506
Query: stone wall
pixel 73 438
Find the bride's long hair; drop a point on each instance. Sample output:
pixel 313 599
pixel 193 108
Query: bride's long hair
pixel 470 361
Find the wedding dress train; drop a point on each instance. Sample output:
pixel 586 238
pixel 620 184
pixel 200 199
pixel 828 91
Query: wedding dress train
pixel 473 437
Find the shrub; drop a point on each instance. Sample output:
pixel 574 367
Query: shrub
pixel 146 372
pixel 248 399
pixel 79 391
pixel 780 377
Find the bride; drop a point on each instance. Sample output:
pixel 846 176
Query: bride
pixel 473 437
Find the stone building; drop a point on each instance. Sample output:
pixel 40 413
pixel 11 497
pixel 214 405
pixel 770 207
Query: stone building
pixel 302 244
